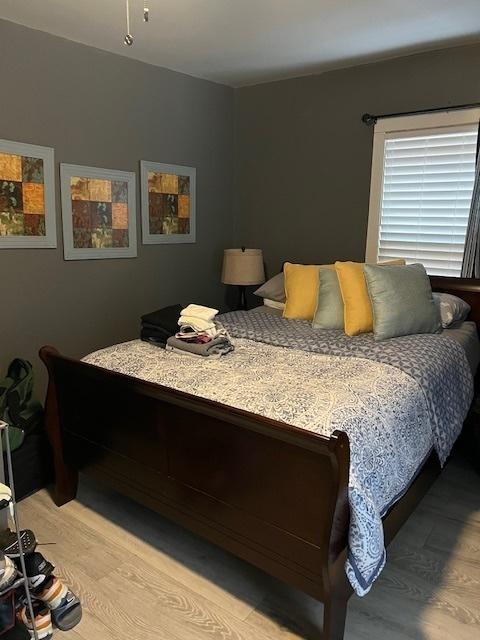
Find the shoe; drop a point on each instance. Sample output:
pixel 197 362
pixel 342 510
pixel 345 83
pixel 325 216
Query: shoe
pixel 42 621
pixel 64 605
pixel 9 542
pixel 8 572
pixel 37 569
pixel 5 496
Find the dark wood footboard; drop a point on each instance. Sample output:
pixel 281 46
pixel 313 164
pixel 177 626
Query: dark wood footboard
pixel 270 493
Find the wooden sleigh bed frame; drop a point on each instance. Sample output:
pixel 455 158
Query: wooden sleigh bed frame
pixel 270 493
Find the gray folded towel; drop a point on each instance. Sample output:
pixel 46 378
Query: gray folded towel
pixel 216 347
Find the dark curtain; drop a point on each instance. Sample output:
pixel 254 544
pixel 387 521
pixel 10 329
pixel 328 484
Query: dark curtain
pixel 471 254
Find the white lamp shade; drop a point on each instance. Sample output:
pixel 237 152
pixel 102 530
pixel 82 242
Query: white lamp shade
pixel 243 267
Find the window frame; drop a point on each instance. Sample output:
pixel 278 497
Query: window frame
pixel 398 127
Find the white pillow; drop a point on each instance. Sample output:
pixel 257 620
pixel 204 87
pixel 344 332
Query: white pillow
pixel 273 304
pixel 452 308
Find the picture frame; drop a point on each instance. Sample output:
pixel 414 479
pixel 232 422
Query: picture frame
pixel 98 213
pixel 27 196
pixel 168 193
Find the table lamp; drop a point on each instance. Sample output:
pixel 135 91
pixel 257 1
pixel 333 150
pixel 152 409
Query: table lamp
pixel 243 267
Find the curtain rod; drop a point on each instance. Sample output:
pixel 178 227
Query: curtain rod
pixel 370 119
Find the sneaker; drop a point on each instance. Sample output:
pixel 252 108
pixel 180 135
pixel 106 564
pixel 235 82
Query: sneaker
pixel 5 496
pixel 9 542
pixel 64 605
pixel 42 621
pixel 8 572
pixel 38 569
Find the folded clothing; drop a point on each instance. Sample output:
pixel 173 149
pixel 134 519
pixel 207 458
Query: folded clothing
pixel 165 318
pixel 190 333
pixel 159 325
pixel 197 325
pixel 193 336
pixel 190 329
pixel 200 312
pixel 157 338
pixel 216 347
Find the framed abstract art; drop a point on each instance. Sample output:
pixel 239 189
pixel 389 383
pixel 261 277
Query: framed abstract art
pixel 27 196
pixel 98 212
pixel 168 203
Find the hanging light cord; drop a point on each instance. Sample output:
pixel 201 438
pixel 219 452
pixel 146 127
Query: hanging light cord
pixel 128 40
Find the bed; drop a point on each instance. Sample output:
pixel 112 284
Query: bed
pixel 240 471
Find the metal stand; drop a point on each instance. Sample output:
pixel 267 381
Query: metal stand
pixel 3 512
pixel 14 513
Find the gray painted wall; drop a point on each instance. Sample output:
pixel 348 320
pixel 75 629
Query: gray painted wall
pixel 302 173
pixel 303 156
pixel 99 109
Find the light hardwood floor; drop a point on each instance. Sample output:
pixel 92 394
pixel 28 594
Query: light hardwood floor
pixel 141 577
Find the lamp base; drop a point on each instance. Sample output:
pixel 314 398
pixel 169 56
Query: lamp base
pixel 242 298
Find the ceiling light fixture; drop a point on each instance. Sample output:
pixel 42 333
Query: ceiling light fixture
pixel 128 40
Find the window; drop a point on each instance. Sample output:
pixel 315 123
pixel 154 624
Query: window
pixel 423 171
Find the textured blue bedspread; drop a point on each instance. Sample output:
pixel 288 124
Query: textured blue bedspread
pixel 438 366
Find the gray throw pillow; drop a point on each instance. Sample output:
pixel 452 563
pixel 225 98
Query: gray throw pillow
pixel 329 313
pixel 273 289
pixel 402 301
pixel 452 308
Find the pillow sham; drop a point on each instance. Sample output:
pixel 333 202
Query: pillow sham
pixel 272 289
pixel 452 308
pixel 301 290
pixel 329 312
pixel 357 307
pixel 402 301
pixel 358 316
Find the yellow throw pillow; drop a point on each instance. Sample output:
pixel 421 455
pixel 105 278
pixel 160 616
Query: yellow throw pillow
pixel 357 306
pixel 301 290
pixel 356 302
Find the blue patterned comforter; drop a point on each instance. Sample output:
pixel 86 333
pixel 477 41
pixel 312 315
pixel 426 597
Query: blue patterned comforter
pixel 442 376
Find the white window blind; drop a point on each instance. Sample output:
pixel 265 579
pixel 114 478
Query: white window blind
pixel 424 196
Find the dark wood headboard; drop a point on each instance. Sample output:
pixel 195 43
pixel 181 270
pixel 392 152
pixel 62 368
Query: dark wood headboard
pixel 466 288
